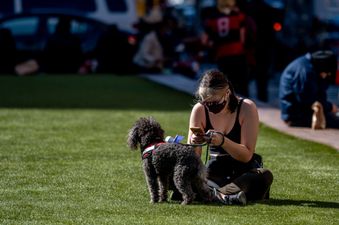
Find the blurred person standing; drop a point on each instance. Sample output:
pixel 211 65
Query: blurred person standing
pixel 303 83
pixel 157 49
pixel 113 52
pixel 7 52
pixel 149 57
pixel 225 28
pixel 260 41
pixel 62 53
pixel 265 41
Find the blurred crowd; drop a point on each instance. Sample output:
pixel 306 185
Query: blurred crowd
pixel 234 36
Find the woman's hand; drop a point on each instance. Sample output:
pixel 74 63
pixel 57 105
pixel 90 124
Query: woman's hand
pixel 197 139
pixel 215 138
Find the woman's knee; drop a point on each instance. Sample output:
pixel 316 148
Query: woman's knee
pixel 267 175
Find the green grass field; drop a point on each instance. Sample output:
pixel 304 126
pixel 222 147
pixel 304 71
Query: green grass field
pixel 64 159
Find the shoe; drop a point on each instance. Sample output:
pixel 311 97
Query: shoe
pixel 233 199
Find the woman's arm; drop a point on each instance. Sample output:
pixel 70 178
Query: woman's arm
pixel 196 120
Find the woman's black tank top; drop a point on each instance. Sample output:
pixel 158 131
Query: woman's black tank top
pixel 233 135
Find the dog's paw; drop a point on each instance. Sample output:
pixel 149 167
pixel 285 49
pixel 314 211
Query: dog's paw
pixel 186 202
pixel 153 201
pixel 163 201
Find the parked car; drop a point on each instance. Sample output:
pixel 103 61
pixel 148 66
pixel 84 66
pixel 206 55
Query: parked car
pixel 123 13
pixel 32 30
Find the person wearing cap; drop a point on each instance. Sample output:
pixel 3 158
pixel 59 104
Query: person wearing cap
pixel 305 81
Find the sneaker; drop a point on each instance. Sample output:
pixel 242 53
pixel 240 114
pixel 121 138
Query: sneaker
pixel 235 199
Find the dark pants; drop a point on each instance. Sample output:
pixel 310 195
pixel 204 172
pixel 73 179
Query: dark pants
pixel 255 183
pixel 233 176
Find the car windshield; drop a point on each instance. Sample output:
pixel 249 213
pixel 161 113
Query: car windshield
pixel 77 5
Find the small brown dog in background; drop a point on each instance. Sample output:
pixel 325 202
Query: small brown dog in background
pixel 318 118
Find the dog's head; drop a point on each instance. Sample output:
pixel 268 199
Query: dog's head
pixel 317 107
pixel 144 132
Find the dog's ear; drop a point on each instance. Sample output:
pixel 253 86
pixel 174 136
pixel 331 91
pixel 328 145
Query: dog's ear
pixel 133 138
pixel 157 130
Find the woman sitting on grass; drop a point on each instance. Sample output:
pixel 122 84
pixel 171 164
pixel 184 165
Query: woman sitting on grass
pixel 231 123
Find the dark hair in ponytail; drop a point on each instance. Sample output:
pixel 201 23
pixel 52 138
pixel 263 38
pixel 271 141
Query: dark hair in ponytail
pixel 214 80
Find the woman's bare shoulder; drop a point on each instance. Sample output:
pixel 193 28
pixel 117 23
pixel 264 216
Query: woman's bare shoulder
pixel 198 107
pixel 249 102
pixel 249 107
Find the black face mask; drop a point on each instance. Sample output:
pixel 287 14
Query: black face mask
pixel 215 107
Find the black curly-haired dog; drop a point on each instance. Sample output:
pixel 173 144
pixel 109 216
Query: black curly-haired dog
pixel 164 161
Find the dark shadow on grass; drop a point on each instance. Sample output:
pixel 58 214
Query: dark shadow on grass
pixel 272 202
pixel 214 204
pixel 90 92
pixel 303 203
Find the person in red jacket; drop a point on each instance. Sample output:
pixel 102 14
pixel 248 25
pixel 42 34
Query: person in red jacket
pixel 225 33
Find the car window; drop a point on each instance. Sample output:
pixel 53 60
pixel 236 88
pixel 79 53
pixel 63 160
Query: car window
pixel 22 26
pixel 25 31
pixel 77 5
pixel 6 7
pixel 52 22
pixel 77 27
pixel 116 5
pixel 87 31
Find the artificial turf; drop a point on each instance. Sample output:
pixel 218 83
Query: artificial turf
pixel 64 158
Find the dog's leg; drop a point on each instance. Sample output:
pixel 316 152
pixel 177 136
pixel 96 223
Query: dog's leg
pixel 163 188
pixel 152 182
pixel 203 189
pixel 184 185
pixel 200 183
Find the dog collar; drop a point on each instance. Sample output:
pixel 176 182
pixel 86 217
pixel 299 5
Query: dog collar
pixel 149 150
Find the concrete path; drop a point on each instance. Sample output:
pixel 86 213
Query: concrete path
pixel 270 116
pixel 269 113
